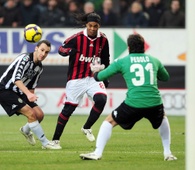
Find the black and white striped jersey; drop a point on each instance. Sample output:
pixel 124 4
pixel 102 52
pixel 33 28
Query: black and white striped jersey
pixel 22 68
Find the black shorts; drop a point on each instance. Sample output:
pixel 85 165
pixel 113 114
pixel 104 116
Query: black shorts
pixel 12 102
pixel 127 116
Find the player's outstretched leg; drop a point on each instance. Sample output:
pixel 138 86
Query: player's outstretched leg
pixel 99 103
pixel 63 118
pixel 38 131
pixel 88 133
pixel 165 134
pixel 104 135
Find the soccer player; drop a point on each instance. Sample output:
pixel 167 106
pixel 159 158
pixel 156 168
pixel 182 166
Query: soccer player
pixel 143 99
pixel 17 86
pixel 84 48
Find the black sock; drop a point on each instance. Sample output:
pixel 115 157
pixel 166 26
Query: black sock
pixel 62 120
pixel 93 117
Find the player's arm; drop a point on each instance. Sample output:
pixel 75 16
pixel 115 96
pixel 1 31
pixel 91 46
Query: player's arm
pixel 105 59
pixel 163 74
pixel 18 75
pixel 32 91
pixel 105 74
pixel 105 55
pixel 68 47
pixel 30 94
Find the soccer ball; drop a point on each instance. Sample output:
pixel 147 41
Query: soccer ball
pixel 32 33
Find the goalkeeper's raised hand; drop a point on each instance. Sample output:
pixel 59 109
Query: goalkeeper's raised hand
pixel 96 67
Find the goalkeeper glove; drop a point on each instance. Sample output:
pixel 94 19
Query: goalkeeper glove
pixel 96 67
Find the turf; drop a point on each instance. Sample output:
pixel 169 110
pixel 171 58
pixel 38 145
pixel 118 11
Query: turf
pixel 138 149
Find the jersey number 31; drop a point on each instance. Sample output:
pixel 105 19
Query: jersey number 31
pixel 139 71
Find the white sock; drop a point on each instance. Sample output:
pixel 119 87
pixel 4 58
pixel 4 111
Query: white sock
pixel 165 134
pixel 38 131
pixel 104 135
pixel 26 128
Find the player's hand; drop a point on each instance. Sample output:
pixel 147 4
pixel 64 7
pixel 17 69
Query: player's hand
pixel 96 67
pixel 32 97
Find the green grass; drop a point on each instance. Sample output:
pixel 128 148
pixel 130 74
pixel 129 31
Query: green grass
pixel 137 149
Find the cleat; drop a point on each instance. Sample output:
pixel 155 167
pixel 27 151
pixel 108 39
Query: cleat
pixel 88 133
pixel 29 137
pixel 170 158
pixel 52 145
pixel 57 142
pixel 90 156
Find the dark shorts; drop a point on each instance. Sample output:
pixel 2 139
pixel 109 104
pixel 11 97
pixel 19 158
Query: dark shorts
pixel 127 116
pixel 13 102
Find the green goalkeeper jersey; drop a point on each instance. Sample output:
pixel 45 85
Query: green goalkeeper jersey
pixel 140 72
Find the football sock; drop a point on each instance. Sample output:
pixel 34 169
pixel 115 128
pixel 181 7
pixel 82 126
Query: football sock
pixel 38 131
pixel 99 103
pixel 26 128
pixel 104 135
pixel 93 117
pixel 62 120
pixel 164 131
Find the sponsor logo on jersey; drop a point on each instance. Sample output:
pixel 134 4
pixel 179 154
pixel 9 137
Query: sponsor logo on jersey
pixel 26 58
pixel 86 59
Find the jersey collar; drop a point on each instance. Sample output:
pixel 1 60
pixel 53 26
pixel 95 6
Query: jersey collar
pixel 85 33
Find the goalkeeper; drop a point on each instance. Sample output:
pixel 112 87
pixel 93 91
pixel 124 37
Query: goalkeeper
pixel 143 100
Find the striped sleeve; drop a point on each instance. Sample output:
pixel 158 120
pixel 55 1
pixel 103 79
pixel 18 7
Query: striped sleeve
pixel 22 65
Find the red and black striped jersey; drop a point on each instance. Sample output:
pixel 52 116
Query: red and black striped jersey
pixel 82 50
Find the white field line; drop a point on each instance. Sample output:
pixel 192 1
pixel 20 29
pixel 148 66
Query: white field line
pixel 77 152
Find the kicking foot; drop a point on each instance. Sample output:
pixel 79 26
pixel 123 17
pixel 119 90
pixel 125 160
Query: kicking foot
pixel 170 158
pixel 90 156
pixel 52 145
pixel 88 133
pixel 29 137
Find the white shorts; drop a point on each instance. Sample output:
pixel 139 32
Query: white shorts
pixel 75 89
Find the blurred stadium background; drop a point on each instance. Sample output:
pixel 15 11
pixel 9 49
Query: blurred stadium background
pixel 165 34
pixel 166 42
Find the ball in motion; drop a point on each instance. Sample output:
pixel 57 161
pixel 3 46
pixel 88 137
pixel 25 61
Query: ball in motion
pixel 32 33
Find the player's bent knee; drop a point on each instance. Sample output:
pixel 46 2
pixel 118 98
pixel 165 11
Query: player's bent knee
pixel 31 115
pixel 68 109
pixel 40 117
pixel 39 113
pixel 100 99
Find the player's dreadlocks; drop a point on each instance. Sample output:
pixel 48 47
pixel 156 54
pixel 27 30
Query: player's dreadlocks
pixel 83 19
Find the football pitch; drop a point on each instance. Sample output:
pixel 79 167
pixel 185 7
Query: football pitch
pixel 137 149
